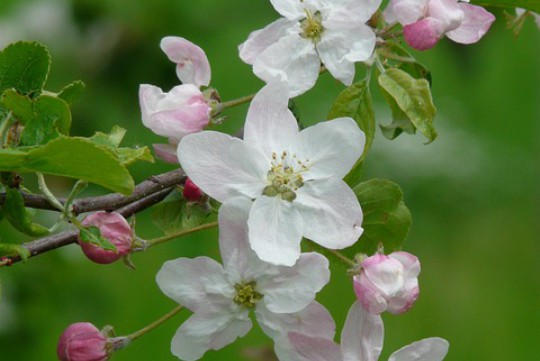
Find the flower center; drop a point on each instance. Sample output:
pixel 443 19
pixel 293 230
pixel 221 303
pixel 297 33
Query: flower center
pixel 285 176
pixel 246 295
pixel 312 27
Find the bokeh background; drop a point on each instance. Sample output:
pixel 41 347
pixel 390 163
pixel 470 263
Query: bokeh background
pixel 473 192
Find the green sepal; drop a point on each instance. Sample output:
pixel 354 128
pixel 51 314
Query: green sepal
pixel 15 211
pixel 25 67
pixel 93 235
pixel 387 219
pixel 175 214
pixel 355 102
pixel 412 97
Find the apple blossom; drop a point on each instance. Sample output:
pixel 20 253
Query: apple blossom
pixel 82 341
pixel 113 227
pixel 361 340
pixel 425 22
pixel 294 178
pixel 520 12
pixel 310 32
pixel 222 297
pixel 185 109
pixel 388 283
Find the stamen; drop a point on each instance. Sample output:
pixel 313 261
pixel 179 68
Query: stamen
pixel 246 295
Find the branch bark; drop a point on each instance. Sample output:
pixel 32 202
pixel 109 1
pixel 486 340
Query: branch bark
pixel 145 195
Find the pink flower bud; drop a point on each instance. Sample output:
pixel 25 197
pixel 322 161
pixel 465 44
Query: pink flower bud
pixel 192 66
pixel 113 227
pixel 176 114
pixel 82 341
pixel 388 283
pixel 191 192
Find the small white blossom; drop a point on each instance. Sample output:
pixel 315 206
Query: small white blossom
pixel 222 297
pixel 312 31
pixel 294 177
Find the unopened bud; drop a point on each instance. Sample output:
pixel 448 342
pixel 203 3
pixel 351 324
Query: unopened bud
pixel 82 341
pixel 191 192
pixel 388 283
pixel 113 227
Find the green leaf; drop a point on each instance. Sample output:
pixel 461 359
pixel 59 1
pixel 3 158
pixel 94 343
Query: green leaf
pixel 386 218
pixel 176 214
pixel 72 92
pixel 397 56
pixel 533 5
pixel 50 109
pixel 21 106
pixel 93 235
pixel 24 66
pixel 15 211
pixel 126 156
pixel 355 102
pixel 77 158
pixel 7 249
pixel 413 97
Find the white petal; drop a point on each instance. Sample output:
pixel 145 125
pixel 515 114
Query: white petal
pixel 428 349
pixel 292 59
pixel 362 336
pixel 331 213
pixel 306 348
pixel 192 63
pixel 292 10
pixel 294 288
pixel 314 321
pixel 343 44
pixel 259 40
pixel 194 282
pixel 270 125
pixel 385 273
pixel 222 166
pixel 332 147
pixel 211 328
pixel 275 230
pixel 406 11
pixel 475 25
pixel 353 11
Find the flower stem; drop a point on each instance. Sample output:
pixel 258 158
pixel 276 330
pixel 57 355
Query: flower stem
pixel 155 241
pixel 236 102
pixel 3 127
pixel 344 259
pixel 150 327
pixel 48 194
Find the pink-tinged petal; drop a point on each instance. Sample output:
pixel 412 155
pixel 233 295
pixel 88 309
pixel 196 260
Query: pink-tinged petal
pixel 362 336
pixel 192 64
pixel 222 166
pixel 194 283
pixel 299 68
pixel 411 264
pixel 313 348
pixel 275 230
pixel 261 39
pixel 270 126
pixel 385 273
pixel 475 24
pixel 406 11
pixel 166 152
pixel 331 212
pixel 210 328
pixel 313 321
pixel 82 341
pixel 292 10
pixel 149 96
pixel 292 289
pixel 447 13
pixel 369 295
pixel 332 147
pixel 403 302
pixel 423 34
pixel 428 349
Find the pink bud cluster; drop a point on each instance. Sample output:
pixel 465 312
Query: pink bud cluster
pixel 82 341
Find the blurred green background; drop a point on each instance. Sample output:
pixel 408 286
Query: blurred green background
pixel 473 192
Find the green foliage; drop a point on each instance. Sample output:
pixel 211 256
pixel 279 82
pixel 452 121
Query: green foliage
pixel 74 157
pixel 176 214
pixel 24 66
pixel 15 211
pixel 355 102
pixel 93 235
pixel 72 92
pixel 386 218
pixel 7 249
pixel 533 5
pixel 411 104
pixel 125 156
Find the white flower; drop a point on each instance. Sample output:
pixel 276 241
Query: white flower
pixel 361 340
pixel 312 31
pixel 221 297
pixel 294 178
